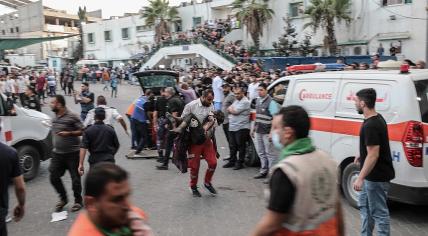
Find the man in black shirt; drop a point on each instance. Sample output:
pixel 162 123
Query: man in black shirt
pixel 174 106
pixel 376 166
pixel 100 140
pixel 10 171
pixel 32 102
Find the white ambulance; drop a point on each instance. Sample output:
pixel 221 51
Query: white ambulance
pixel 335 124
pixel 29 132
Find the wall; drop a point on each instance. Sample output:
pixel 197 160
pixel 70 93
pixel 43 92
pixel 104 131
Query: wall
pixel 117 48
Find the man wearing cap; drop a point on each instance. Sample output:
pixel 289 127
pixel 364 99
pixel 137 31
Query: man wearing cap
pixel 100 140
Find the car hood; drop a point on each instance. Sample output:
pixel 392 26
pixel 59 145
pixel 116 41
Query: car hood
pixel 33 113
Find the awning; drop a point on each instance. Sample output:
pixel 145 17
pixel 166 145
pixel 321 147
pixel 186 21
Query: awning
pixel 354 42
pixel 393 36
pixel 14 43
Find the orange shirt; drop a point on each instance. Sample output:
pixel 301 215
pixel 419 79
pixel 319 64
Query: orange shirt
pixel 83 226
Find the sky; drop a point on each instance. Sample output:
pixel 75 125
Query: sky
pixel 109 7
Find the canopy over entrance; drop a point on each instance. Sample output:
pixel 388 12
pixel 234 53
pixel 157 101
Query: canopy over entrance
pixel 14 43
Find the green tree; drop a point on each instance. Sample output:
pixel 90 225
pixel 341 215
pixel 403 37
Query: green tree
pixel 254 14
pixel 287 43
pixel 160 15
pixel 83 19
pixel 305 47
pixel 324 14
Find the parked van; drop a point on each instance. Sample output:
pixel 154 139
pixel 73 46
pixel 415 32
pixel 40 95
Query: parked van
pixel 402 99
pixel 29 132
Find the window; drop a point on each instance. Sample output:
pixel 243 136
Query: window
pixel 357 51
pixel 3 32
pixel 107 35
pixel 17 29
pixel 422 92
pixel 141 28
pixel 279 91
pixel 91 38
pixel 296 9
pixel 125 33
pixel 197 21
pixel 395 2
pixel 11 30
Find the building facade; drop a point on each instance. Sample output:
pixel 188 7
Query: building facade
pixel 401 24
pixel 35 20
pixel 117 39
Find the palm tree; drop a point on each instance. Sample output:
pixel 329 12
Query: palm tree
pixel 254 14
pixel 160 15
pixel 324 14
pixel 83 18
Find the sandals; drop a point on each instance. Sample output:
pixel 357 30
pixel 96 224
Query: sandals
pixel 60 205
pixel 76 207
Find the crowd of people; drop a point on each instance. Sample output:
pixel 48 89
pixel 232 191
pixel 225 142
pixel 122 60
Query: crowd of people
pixel 181 122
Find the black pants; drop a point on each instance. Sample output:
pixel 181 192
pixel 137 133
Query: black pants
pixel 59 164
pixel 141 132
pixel 22 98
pixel 70 87
pixel 226 131
pixel 3 229
pixel 94 163
pixel 238 140
pixel 169 145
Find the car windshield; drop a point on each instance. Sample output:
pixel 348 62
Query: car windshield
pixel 151 81
pixel 422 92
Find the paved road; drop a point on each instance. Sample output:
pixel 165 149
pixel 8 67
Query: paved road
pixel 164 195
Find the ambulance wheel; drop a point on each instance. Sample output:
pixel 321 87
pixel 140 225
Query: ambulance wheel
pixel 252 159
pixel 349 176
pixel 29 159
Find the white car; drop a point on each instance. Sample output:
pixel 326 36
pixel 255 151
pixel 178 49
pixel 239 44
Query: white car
pixel 29 132
pixel 335 124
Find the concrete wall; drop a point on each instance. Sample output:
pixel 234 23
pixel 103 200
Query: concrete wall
pixel 117 48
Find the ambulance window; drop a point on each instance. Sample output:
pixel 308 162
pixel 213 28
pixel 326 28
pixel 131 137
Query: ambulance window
pixel 279 91
pixel 422 93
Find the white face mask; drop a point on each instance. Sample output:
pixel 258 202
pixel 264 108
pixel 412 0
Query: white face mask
pixel 276 140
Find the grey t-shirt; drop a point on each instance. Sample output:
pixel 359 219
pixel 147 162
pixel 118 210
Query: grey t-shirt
pixel 67 122
pixel 241 120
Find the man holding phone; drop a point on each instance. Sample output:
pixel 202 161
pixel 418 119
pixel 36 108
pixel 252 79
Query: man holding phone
pixel 66 129
pixel 86 100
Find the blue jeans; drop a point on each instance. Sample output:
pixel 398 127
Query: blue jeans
pixel 373 208
pixel 217 106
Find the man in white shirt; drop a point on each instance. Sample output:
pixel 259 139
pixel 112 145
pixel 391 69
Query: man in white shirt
pixel 218 91
pixel 112 115
pixel 252 87
pixel 21 86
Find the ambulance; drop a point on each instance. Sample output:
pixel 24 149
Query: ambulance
pixel 29 132
pixel 402 99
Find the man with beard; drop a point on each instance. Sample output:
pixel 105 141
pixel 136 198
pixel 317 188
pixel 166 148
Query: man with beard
pixel 108 207
pixel 201 108
pixel 66 129
pixel 376 166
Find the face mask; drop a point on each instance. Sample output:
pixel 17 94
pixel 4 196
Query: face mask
pixel 276 140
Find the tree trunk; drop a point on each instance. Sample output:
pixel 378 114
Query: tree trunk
pixel 80 47
pixel 331 38
pixel 256 39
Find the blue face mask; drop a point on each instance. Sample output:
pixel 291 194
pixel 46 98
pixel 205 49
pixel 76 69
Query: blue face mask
pixel 276 140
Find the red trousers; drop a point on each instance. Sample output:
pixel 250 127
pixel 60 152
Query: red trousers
pixel 208 152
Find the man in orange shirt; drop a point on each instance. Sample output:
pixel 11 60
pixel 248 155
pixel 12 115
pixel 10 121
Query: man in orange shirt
pixel 108 207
